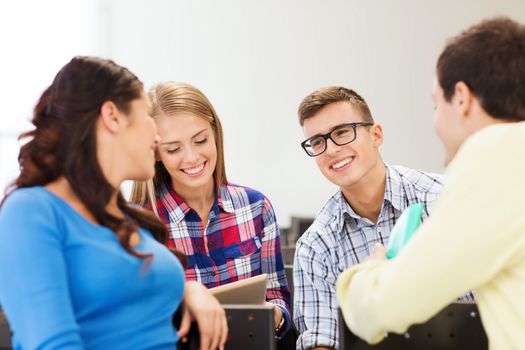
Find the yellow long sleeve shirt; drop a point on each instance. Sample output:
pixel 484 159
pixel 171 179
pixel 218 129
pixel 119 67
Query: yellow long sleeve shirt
pixel 474 239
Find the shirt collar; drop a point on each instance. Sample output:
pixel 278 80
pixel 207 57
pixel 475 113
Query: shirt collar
pixel 393 194
pixel 225 200
pixel 175 207
pixel 394 190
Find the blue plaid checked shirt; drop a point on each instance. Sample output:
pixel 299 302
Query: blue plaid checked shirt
pixel 339 239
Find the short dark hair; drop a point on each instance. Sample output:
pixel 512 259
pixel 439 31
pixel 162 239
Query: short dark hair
pixel 318 99
pixel 490 58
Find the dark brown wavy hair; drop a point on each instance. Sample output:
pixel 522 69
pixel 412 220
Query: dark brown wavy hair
pixel 63 142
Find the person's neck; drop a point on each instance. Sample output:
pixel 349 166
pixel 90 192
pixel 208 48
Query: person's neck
pixel 366 197
pixel 200 199
pixel 483 119
pixel 62 188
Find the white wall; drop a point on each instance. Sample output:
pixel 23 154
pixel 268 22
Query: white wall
pixel 256 60
pixel 36 39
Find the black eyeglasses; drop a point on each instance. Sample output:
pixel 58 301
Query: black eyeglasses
pixel 340 135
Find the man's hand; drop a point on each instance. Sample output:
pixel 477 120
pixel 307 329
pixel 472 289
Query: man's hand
pixel 378 253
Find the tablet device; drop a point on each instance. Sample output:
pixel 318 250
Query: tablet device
pixel 250 290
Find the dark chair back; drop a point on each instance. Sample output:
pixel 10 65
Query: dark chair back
pixel 298 225
pixel 288 270
pixel 251 327
pixel 288 253
pixel 456 327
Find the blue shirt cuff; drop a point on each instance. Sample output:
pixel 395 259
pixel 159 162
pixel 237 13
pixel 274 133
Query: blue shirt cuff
pixel 287 322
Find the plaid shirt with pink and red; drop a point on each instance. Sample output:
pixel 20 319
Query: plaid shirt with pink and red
pixel 240 240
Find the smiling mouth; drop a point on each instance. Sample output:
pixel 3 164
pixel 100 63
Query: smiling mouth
pixel 342 163
pixel 195 170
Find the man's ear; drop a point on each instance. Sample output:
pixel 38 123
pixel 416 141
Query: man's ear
pixel 463 98
pixel 376 131
pixel 110 116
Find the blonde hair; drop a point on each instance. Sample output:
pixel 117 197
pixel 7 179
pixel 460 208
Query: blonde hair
pixel 168 98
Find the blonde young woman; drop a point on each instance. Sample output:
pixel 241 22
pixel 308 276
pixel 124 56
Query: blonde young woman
pixel 228 232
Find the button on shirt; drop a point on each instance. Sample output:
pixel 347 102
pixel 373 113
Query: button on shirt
pixel 338 239
pixel 240 240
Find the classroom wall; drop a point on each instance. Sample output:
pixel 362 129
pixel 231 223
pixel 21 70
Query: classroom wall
pixel 36 39
pixel 256 60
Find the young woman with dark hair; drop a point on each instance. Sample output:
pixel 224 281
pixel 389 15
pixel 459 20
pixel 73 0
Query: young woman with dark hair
pixel 79 267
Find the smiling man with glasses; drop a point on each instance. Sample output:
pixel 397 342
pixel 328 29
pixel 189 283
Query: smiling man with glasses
pixel 344 141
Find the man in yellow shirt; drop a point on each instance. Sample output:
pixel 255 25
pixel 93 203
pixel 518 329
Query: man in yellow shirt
pixel 475 237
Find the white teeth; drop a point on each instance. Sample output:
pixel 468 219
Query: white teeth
pixel 342 163
pixel 195 170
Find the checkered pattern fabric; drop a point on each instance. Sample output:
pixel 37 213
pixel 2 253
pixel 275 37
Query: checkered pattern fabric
pixel 339 239
pixel 240 240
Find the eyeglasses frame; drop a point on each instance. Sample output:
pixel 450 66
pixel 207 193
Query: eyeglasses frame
pixel 328 135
